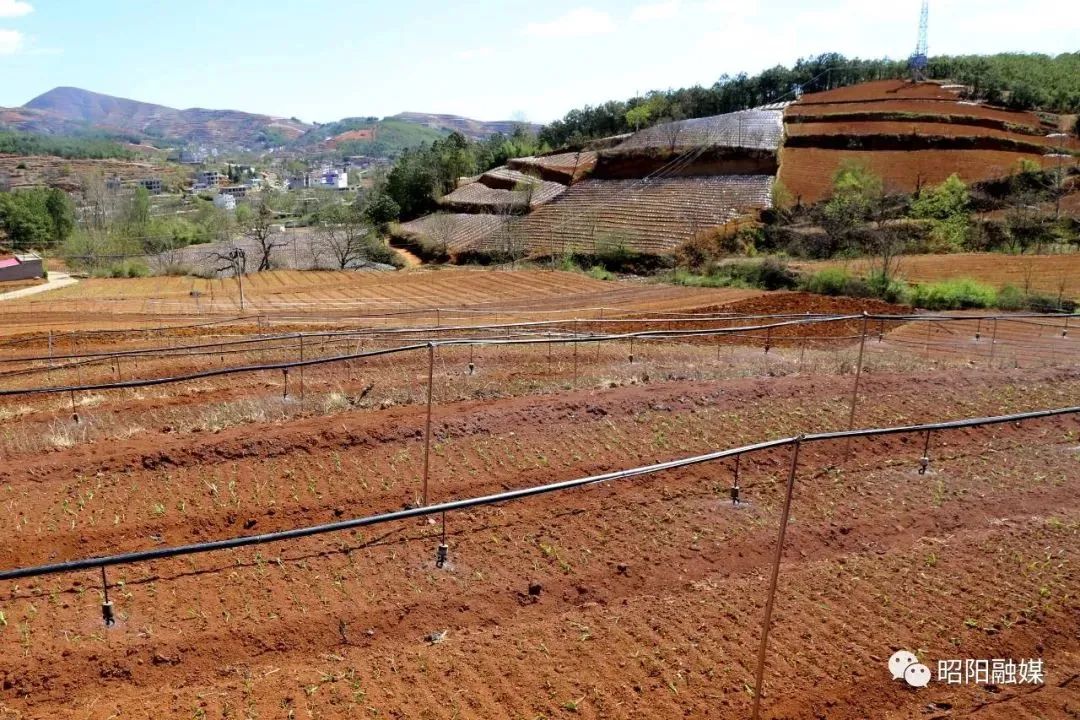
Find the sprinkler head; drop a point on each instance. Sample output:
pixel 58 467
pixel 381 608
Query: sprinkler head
pixel 924 464
pixel 440 555
pixel 631 359
pixel 472 368
pixel 107 614
pixel 735 500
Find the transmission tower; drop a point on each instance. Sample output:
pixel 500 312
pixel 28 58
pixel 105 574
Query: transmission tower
pixel 920 58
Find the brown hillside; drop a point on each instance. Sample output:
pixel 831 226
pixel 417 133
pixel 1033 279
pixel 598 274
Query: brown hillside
pixel 909 134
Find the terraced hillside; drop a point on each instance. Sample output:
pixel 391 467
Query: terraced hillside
pixel 647 216
pixel 910 135
pixel 566 168
pixel 501 190
pixel 760 129
pixel 458 231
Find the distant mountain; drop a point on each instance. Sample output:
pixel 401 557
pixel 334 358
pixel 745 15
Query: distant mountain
pixel 62 108
pixel 475 129
pixel 73 112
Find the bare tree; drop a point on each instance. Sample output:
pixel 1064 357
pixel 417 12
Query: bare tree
pixel 171 260
pixel 230 261
pixel 670 133
pixel 441 229
pixel 885 241
pixel 261 231
pixel 100 202
pixel 343 233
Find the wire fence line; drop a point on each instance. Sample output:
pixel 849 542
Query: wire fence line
pixel 93 563
pixel 768 333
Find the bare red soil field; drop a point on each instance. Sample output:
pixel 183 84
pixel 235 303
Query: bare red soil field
pixel 940 108
pixel 639 598
pixel 483 295
pixel 808 172
pixel 976 141
pixel 881 90
pixel 923 129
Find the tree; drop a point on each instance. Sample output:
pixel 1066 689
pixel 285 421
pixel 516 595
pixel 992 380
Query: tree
pixel 343 232
pixel 856 190
pixel 261 231
pixel 231 260
pixel 381 209
pixel 100 202
pixel 885 244
pixel 37 217
pixel 441 228
pixel 670 132
pixel 946 207
pixel 62 213
pixel 135 217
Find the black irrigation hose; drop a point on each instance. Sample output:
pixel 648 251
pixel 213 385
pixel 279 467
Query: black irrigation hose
pixel 430 510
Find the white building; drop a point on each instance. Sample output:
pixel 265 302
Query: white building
pixel 225 202
pixel 336 179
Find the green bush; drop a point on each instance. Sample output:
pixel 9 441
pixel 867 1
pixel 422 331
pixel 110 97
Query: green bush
pixel 599 272
pixel 892 290
pixel 830 281
pixel 124 269
pixel 953 295
pixel 1011 298
pixel 769 274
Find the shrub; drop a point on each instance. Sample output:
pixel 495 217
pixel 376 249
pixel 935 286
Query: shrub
pixel 830 281
pixel 836 281
pixel 889 289
pixel 599 272
pixel 953 295
pixel 123 269
pixel 769 274
pixel 1011 298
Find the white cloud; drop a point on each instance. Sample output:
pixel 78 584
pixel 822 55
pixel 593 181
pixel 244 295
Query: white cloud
pixel 11 41
pixel 474 53
pixel 575 23
pixel 657 11
pixel 15 8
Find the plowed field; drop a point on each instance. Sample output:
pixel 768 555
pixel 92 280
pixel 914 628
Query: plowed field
pixel 640 599
pixel 344 296
pixel 637 598
pixel 808 172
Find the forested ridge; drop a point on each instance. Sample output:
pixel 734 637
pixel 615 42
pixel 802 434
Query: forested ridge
pixel 1021 81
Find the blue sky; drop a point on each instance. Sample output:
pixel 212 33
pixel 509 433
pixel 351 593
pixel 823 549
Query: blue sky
pixel 488 59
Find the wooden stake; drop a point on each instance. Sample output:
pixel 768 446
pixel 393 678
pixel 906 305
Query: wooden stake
pixel 771 601
pixel 427 427
pixel 858 375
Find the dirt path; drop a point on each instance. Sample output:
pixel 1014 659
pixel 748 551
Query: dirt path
pixel 410 259
pixel 56 281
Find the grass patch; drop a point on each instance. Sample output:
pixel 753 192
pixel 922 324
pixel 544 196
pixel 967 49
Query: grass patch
pixel 769 274
pixel 954 294
pixel 959 294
